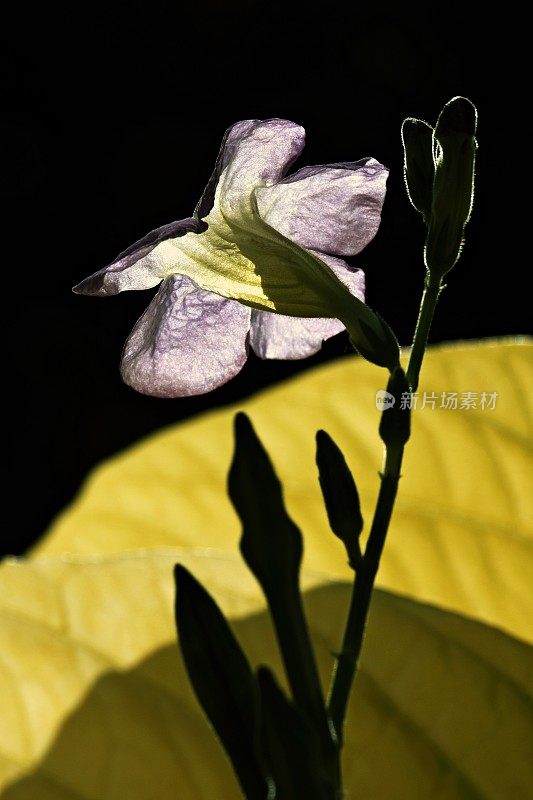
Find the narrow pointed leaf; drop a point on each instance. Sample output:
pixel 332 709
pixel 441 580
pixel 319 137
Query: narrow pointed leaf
pixel 221 677
pixel 271 545
pixel 340 494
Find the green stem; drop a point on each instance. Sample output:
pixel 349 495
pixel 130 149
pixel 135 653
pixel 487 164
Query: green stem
pixel 302 674
pixel 428 304
pixel 298 655
pixel 348 660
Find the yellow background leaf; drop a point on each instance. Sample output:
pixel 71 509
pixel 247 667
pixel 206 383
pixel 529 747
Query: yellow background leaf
pixel 96 703
pixel 461 535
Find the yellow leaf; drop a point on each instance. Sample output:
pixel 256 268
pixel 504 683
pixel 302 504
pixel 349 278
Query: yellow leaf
pixel 96 704
pixel 461 535
pixel 65 623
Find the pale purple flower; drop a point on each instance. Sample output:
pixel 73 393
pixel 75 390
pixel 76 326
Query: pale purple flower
pixel 254 234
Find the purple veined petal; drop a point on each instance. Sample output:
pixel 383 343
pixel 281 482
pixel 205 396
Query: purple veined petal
pixel 261 156
pixel 291 338
pixel 187 342
pixel 333 208
pixel 133 269
pixel 230 140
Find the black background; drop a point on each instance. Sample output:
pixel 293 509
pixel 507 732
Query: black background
pixel 112 121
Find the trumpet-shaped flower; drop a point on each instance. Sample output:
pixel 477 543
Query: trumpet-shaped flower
pixel 260 263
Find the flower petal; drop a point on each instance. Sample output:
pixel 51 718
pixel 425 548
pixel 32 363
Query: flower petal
pixel 262 156
pixel 230 140
pixel 291 338
pixel 187 342
pixel 131 269
pixel 334 208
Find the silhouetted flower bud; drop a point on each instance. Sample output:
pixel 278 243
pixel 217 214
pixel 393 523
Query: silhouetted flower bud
pixel 453 187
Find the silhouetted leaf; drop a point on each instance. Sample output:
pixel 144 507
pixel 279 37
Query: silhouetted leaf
pixel 221 677
pixel 271 545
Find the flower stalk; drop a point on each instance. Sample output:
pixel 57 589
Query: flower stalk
pixel 430 297
pixel 348 660
pixel 456 163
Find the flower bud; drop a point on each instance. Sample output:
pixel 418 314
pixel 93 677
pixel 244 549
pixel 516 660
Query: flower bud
pixel 419 164
pixel 453 188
